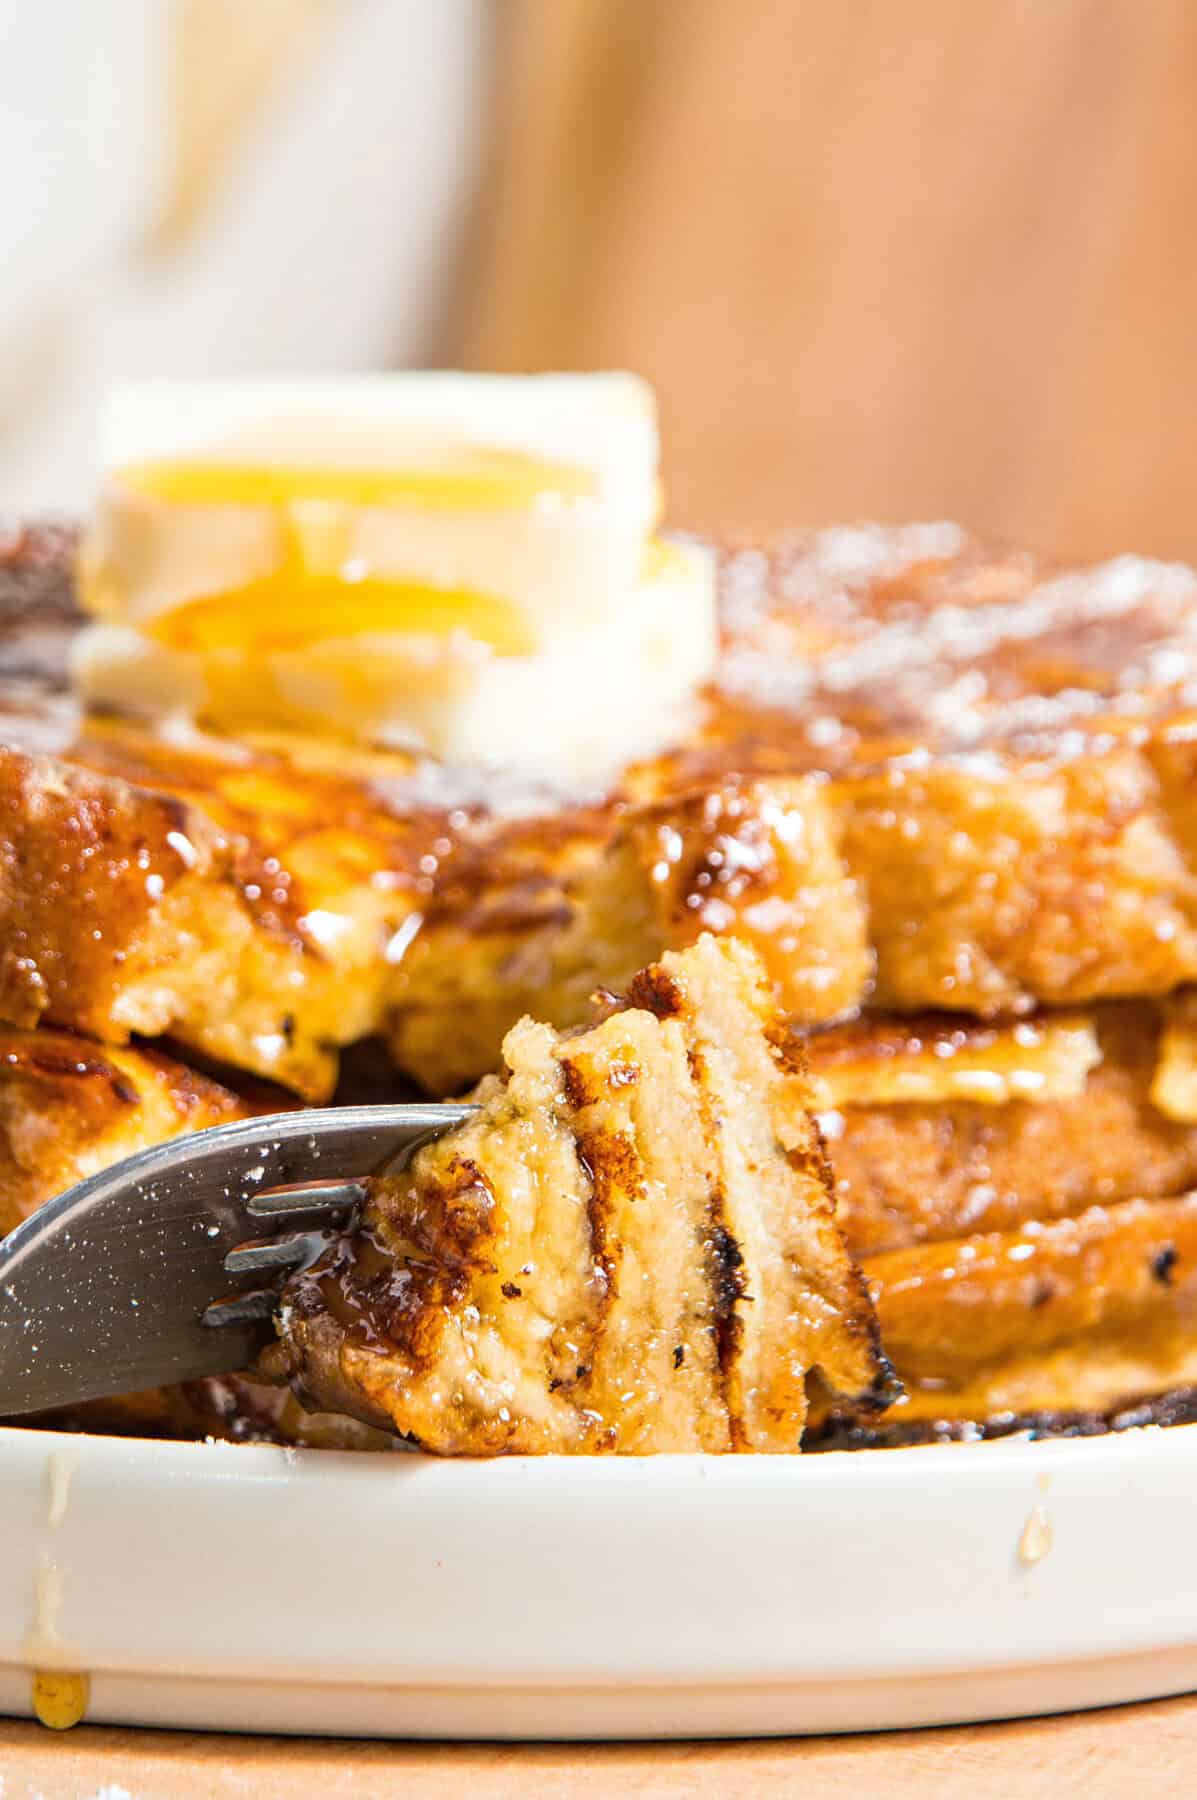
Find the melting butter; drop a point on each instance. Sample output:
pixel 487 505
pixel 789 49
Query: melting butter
pixel 1037 1537
pixel 317 585
pixel 447 480
pixel 1040 1060
pixel 298 605
pixel 59 1698
pixel 462 566
pixel 59 1470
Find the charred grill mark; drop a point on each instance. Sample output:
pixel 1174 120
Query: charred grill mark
pixel 787 1047
pixel 726 1274
pixel 455 1222
pixel 886 1387
pixel 72 1068
pixel 860 1319
pixel 608 1163
pixel 815 1161
pixel 727 1267
pixel 577 1090
pixel 724 1264
pixel 842 1430
pixel 656 992
pixel 454 1214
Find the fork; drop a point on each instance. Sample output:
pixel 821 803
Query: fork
pixel 158 1269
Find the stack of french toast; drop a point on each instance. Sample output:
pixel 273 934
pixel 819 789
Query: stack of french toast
pixel 921 869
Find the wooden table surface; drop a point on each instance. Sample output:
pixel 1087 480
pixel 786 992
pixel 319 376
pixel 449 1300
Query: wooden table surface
pixel 1110 1755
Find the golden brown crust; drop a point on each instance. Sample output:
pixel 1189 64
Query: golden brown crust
pixel 631 1246
pixel 919 1172
pixel 1021 882
pixel 135 909
pixel 928 775
pixel 69 1108
pixel 1079 1315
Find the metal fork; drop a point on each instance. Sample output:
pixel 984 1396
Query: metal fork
pixel 144 1274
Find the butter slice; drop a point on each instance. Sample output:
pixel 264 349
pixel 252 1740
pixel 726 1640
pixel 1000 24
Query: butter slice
pixel 572 714
pixel 1047 1058
pixel 534 492
pixel 461 565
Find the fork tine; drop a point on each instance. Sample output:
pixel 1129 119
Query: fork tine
pixel 284 1253
pixel 243 1309
pixel 311 1197
pixel 105 1288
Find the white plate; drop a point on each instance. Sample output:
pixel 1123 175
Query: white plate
pixel 251 1588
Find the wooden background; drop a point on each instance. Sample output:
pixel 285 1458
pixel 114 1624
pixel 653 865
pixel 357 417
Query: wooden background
pixel 885 258
pixel 1133 1753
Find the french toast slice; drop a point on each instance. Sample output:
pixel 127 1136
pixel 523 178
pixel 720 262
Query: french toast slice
pixel 1079 1316
pixel 927 776
pixel 938 1127
pixel 1017 1195
pixel 70 1107
pixel 630 1247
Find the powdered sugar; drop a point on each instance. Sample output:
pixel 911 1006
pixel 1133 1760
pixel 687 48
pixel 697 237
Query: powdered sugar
pixel 917 634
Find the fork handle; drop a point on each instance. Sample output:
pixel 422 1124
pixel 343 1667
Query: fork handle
pixel 104 1288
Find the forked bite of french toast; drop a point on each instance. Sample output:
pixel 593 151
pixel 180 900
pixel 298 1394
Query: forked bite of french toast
pixel 631 1246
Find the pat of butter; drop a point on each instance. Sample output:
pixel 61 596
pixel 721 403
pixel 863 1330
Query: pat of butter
pixel 1048 1058
pixel 575 712
pixel 513 508
pixel 462 565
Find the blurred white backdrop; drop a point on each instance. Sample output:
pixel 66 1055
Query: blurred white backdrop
pixel 220 186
